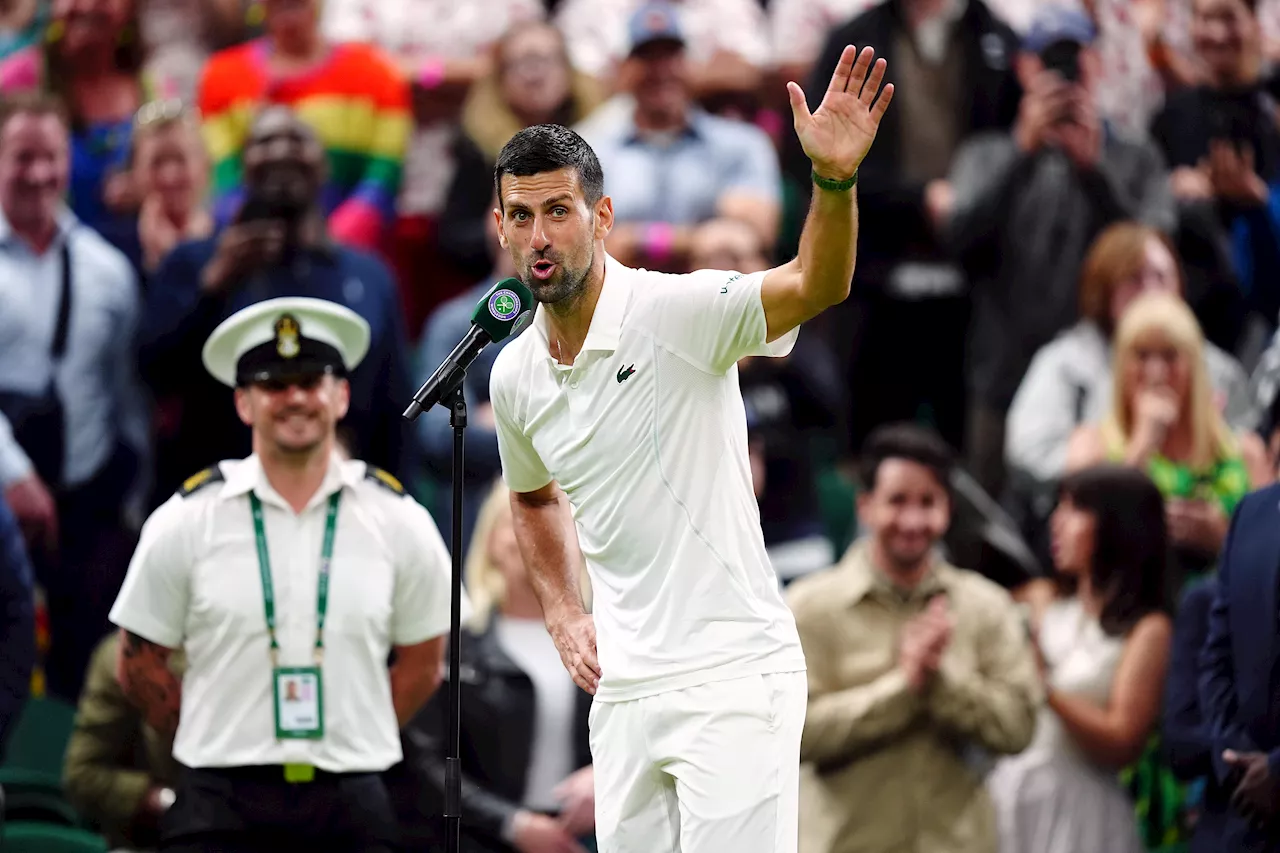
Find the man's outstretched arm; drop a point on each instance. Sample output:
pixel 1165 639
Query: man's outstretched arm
pixel 836 137
pixel 142 668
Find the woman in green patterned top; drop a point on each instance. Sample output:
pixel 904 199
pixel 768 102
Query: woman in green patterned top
pixel 1163 419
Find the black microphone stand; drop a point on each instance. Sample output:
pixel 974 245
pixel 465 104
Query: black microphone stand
pixel 453 761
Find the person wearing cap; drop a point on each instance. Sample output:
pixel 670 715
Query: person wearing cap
pixel 619 413
pixel 1035 198
pixel 290 573
pixel 668 164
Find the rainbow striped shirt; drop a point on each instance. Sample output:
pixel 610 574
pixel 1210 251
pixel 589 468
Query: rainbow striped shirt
pixel 358 104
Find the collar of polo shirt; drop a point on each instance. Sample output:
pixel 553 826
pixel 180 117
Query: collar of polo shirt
pixel 606 323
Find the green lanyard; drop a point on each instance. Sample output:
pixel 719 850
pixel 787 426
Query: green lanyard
pixel 268 591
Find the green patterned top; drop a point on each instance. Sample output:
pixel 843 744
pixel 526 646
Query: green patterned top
pixel 1225 482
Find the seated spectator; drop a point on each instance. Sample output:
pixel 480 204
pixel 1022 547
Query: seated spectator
pixel 1102 642
pixel 17 624
pixel 532 83
pixel 527 777
pixel 118 771
pixel 73 419
pixel 1222 142
pixel 1069 380
pixel 793 405
pixel 1028 205
pixel 728 41
pixel 22 25
pixel 442 47
pixel 169 171
pixel 91 59
pixel 278 246
pixel 952 65
pixel 1162 420
pixel 351 94
pixel 668 165
pixel 448 325
pixel 915 669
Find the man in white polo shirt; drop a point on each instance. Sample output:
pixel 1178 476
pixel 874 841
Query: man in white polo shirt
pixel 288 578
pixel 621 402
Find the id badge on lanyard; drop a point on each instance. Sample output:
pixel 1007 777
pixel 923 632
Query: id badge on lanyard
pixel 297 691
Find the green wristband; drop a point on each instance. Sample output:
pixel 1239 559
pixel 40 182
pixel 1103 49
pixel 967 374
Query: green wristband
pixel 835 186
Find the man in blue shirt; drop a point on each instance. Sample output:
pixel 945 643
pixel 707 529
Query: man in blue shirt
pixel 277 247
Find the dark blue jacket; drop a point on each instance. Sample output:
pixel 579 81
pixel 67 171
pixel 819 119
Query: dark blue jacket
pixel 17 624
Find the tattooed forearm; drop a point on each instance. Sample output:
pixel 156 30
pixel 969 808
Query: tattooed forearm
pixel 143 671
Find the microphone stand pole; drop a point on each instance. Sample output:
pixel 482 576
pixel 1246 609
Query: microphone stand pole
pixel 453 762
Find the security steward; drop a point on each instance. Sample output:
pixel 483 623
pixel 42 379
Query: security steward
pixel 288 578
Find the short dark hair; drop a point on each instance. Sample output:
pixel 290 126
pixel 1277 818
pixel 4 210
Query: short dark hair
pixel 1131 546
pixel 37 104
pixel 908 441
pixel 549 148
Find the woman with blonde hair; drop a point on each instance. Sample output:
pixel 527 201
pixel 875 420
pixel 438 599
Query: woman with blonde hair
pixel 528 783
pixel 169 172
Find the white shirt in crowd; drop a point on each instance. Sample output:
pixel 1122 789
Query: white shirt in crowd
pixel 646 433
pixel 194 582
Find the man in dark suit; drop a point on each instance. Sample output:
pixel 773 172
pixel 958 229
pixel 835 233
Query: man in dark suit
pixel 1240 675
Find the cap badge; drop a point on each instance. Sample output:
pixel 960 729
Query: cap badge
pixel 287 336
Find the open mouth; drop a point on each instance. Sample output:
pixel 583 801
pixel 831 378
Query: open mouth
pixel 543 270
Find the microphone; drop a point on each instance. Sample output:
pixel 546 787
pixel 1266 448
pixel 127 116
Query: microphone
pixel 504 311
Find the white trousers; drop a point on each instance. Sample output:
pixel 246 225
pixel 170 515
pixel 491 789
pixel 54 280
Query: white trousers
pixel 710 769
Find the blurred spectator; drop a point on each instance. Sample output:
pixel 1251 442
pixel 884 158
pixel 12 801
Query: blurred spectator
pixel 916 668
pixel 669 165
pixel 169 171
pixel 1163 420
pixel 952 64
pixel 532 83
pixel 73 420
pixel 794 406
pixel 179 36
pixel 1102 642
pixel 728 40
pixel 278 246
pixel 1223 144
pixel 1069 380
pixel 22 25
pixel 1186 734
pixel 17 624
pixel 798 29
pixel 92 60
pixel 1027 206
pixel 1265 387
pixel 528 781
pixel 448 325
pixel 119 771
pixel 443 48
pixel 1238 677
pixel 351 94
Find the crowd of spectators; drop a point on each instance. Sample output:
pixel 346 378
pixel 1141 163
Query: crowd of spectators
pixel 1068 281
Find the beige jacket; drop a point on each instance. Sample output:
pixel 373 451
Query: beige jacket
pixel 887 770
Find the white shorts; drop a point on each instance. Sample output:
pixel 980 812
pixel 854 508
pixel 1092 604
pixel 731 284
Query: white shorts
pixel 708 769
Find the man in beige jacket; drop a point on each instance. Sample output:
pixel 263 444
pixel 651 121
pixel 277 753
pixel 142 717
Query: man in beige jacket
pixel 917 671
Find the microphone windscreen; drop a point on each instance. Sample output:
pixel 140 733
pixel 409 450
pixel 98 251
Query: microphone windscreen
pixel 505 310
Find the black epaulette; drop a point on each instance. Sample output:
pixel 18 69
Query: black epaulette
pixel 195 482
pixel 382 478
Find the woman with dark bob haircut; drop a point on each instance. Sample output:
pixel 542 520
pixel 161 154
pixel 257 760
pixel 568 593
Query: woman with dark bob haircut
pixel 1103 641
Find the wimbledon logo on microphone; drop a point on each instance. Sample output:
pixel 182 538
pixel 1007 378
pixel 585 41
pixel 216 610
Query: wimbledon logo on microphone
pixel 504 305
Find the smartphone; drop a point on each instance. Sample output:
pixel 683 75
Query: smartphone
pixel 257 209
pixel 1063 58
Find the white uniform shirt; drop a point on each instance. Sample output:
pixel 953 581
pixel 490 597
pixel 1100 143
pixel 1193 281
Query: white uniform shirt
pixel 194 582
pixel 646 433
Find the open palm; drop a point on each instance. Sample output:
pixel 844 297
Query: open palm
pixel 838 134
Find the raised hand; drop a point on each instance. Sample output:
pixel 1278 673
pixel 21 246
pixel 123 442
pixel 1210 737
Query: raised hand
pixel 837 136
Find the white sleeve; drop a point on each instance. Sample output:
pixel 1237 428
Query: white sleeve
pixel 423 601
pixel 713 318
pixel 522 468
pixel 153 599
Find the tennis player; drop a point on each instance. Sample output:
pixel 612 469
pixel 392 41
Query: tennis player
pixel 620 407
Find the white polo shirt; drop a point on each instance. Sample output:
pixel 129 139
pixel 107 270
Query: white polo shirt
pixel 646 433
pixel 194 582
